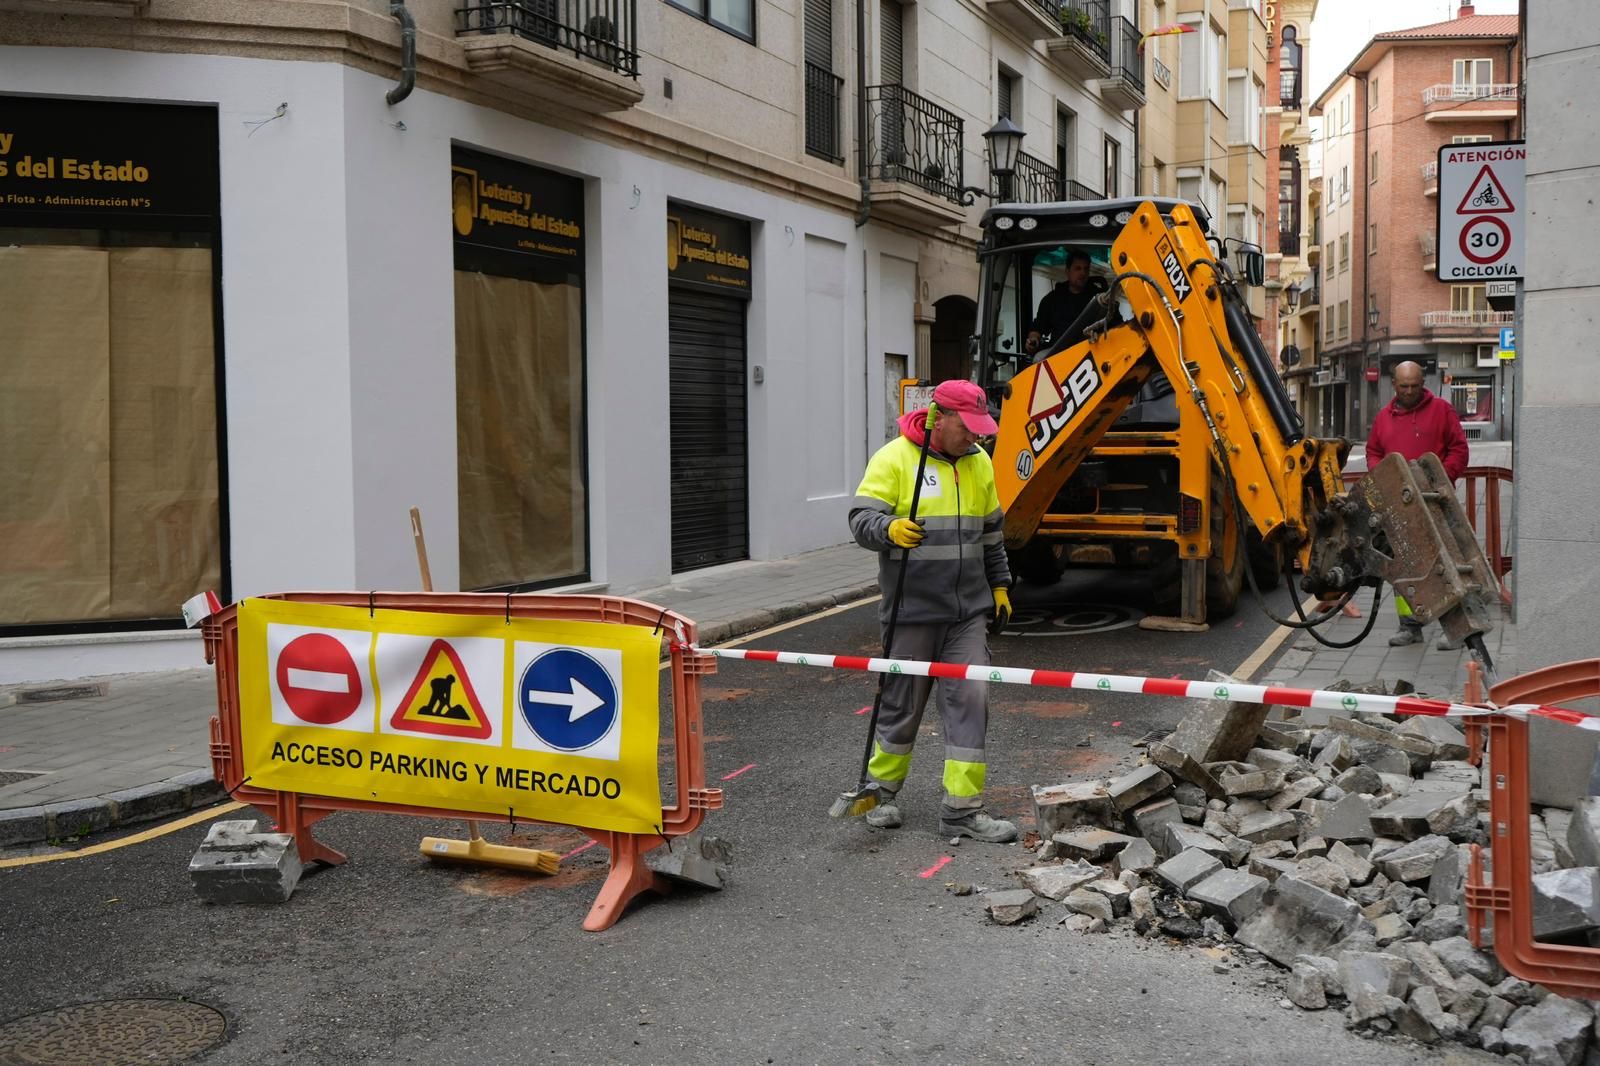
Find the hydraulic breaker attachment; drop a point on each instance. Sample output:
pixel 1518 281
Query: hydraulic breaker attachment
pixel 1403 524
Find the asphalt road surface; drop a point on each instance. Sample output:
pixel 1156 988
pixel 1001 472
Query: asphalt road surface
pixel 833 942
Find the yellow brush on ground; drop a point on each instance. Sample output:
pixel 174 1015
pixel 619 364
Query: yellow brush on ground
pixel 475 849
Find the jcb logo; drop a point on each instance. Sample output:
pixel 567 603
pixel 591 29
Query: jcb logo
pixel 1081 385
pixel 1174 269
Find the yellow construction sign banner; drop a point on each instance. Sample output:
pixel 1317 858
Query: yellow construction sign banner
pixel 547 721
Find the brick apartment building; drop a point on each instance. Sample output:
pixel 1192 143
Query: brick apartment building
pixel 1407 93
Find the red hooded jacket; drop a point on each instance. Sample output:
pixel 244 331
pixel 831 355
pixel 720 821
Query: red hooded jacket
pixel 1431 426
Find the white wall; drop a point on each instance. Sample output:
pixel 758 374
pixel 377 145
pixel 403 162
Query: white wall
pixel 339 324
pixel 1557 450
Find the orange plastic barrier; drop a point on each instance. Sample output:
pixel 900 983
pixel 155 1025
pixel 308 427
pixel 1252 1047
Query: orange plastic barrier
pixel 1506 897
pixel 295 813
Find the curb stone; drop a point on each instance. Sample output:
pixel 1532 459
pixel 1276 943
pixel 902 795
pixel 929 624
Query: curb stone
pixel 37 825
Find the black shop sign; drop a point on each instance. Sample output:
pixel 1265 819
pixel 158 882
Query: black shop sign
pixel 499 207
pixel 707 250
pixel 114 162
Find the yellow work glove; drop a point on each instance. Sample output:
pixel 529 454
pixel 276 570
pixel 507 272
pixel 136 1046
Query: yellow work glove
pixel 904 533
pixel 1002 610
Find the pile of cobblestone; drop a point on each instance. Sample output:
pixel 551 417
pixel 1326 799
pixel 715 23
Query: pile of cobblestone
pixel 1336 848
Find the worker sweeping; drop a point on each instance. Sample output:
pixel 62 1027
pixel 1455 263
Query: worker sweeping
pixel 942 568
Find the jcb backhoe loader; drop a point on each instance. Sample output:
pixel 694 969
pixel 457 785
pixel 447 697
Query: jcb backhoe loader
pixel 1213 478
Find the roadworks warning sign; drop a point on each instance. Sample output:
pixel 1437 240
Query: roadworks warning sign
pixel 548 721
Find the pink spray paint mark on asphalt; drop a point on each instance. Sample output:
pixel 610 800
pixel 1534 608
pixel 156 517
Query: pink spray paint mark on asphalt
pixel 740 770
pixel 1115 724
pixel 935 868
pixel 580 847
pixel 864 710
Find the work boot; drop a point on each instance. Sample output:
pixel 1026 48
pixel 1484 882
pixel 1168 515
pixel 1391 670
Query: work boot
pixel 884 816
pixel 1444 643
pixel 1409 633
pixel 978 825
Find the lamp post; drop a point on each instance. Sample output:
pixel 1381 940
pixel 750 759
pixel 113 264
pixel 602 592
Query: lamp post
pixel 1005 143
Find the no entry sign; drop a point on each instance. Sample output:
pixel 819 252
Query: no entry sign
pixel 1481 194
pixel 320 678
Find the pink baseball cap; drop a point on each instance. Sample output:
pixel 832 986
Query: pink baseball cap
pixel 968 401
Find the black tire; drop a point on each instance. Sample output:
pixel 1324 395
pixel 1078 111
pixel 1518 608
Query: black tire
pixel 1265 563
pixel 1224 577
pixel 1037 563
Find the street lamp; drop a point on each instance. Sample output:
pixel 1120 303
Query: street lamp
pixel 1372 317
pixel 1291 297
pixel 1005 144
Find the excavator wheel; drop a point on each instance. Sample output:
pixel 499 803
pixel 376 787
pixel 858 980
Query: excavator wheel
pixel 1225 568
pixel 1037 563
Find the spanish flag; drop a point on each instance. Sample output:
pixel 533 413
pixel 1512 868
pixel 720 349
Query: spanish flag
pixel 1168 30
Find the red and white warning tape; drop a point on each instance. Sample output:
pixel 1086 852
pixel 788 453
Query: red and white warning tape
pixel 1321 699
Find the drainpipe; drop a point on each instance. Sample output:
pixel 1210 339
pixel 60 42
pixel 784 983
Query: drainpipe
pixel 861 113
pixel 408 52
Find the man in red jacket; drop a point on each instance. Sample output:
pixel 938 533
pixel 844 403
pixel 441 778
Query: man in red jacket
pixel 1415 423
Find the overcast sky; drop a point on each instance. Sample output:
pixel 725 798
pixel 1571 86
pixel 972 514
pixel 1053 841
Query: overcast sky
pixel 1343 26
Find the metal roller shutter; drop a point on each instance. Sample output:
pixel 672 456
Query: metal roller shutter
pixel 819 33
pixel 891 54
pixel 710 474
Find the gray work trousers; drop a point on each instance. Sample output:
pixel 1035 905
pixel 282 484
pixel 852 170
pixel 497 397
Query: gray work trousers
pixel 963 710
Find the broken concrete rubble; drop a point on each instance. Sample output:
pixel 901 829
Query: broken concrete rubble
pixel 1566 901
pixel 1062 808
pixel 1555 1031
pixel 1269 825
pixel 1010 906
pixel 1414 861
pixel 1054 882
pixel 1419 814
pixel 1187 868
pixel 1230 895
pixel 1091 844
pixel 1298 919
pixel 1349 820
pixel 1219 730
pixel 1138 787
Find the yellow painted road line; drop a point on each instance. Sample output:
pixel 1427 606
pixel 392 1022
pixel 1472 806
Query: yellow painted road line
pixel 1268 646
pixel 122 842
pixel 830 612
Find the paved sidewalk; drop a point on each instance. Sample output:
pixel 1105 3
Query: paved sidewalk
pixel 136 746
pixel 1435 673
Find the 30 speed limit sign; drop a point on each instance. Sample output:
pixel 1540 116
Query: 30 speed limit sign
pixel 1480 210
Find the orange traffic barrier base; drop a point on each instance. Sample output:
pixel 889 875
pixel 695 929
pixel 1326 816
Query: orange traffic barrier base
pixel 296 813
pixel 1503 896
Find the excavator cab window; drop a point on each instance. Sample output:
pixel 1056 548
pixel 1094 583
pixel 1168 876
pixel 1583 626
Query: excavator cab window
pixel 1017 282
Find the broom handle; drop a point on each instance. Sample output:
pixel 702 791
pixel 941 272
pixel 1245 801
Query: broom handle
pixel 427 586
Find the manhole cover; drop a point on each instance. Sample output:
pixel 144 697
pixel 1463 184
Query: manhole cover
pixel 113 1032
pixel 11 777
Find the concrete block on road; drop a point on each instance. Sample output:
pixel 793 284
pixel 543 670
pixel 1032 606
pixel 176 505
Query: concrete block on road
pixel 693 859
pixel 1187 868
pixel 1294 793
pixel 235 864
pixel 1449 743
pixel 1055 882
pixel 1270 825
pixel 1137 858
pixel 1565 758
pixel 1115 892
pixel 1414 861
pixel 1181 838
pixel 1185 767
pixel 1359 779
pixel 1095 905
pixel 1231 895
pixel 1093 844
pixel 1324 873
pixel 1417 814
pixel 1220 729
pixel 1258 785
pixel 1012 905
pixel 1299 919
pixel 1357 870
pixel 1460 957
pixel 1062 808
pixel 1138 787
pixel 1151 820
pixel 1566 901
pixel 1554 1031
pixel 1349 820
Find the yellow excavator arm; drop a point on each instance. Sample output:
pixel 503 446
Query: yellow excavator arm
pixel 1402 523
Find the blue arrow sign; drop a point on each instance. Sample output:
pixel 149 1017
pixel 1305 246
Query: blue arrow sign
pixel 568 699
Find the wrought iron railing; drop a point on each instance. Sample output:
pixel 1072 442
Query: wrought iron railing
pixel 1076 190
pixel 605 31
pixel 824 89
pixel 1088 21
pixel 1035 182
pixel 1161 72
pixel 913 140
pixel 1127 62
pixel 1051 9
pixel 1288 240
pixel 1440 94
pixel 1289 89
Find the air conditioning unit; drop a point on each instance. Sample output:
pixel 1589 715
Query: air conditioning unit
pixel 1322 377
pixel 1488 356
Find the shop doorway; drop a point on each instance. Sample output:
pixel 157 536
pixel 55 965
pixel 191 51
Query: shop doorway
pixel 955 320
pixel 708 266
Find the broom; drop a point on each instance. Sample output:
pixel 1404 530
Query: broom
pixel 477 849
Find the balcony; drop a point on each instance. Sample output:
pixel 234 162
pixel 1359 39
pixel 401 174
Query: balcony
pixel 1076 190
pixel 1486 323
pixel 1288 241
pixel 1161 73
pixel 1470 102
pixel 1124 90
pixel 577 54
pixel 1429 243
pixel 824 89
pixel 1034 19
pixel 1035 182
pixel 1084 48
pixel 914 156
pixel 1430 178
